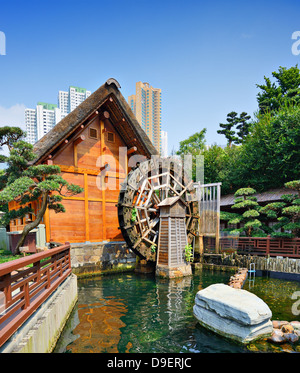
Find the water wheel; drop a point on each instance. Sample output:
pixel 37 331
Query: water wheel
pixel 145 187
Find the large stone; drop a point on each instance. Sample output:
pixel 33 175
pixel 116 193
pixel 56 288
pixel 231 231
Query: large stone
pixel 277 336
pixel 233 313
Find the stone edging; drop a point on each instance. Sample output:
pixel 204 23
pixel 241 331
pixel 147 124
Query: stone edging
pixel 237 280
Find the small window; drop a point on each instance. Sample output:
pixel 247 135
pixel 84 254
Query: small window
pixel 93 133
pixel 110 137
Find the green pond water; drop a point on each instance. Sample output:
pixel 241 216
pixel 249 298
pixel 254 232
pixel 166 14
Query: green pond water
pixel 142 313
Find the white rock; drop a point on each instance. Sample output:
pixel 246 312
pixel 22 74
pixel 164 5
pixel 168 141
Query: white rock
pixel 233 313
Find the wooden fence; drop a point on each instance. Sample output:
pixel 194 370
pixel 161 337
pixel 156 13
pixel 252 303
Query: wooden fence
pixel 261 246
pixel 27 282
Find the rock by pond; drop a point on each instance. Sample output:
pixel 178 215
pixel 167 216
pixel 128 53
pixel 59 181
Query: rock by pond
pixel 233 313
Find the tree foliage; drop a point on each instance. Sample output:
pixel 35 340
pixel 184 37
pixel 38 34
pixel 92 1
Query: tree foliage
pixel 243 127
pixel 235 122
pixel 27 183
pixel 9 136
pixel 287 212
pixel 193 146
pixel 227 128
pixel 246 201
pixel 285 90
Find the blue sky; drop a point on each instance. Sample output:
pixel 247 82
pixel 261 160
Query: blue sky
pixel 206 56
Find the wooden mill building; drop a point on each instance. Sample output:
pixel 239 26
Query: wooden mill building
pixel 94 145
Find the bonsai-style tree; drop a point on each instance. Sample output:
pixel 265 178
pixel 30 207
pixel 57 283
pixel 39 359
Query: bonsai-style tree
pixel 25 183
pixel 227 128
pixel 246 201
pixel 243 127
pixel 286 212
pixel 10 135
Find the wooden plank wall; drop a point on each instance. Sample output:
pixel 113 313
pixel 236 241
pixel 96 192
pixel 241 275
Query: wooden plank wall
pixel 163 246
pixel 91 215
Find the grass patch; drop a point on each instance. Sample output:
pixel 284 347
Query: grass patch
pixel 7 256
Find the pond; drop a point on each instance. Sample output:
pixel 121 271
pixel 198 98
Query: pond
pixel 277 294
pixel 143 314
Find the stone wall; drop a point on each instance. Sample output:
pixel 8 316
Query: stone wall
pixel 275 264
pixel 100 258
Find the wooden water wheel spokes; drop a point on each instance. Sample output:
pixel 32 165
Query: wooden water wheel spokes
pixel 146 186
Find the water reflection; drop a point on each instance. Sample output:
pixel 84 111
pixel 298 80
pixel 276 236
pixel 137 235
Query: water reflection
pixel 277 294
pixel 136 313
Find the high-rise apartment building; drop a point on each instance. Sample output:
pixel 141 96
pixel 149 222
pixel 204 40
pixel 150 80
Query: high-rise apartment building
pixel 146 105
pixel 39 121
pixel 45 116
pixel 68 101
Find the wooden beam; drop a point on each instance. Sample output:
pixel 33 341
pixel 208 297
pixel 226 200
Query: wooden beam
pixel 105 167
pixel 122 121
pixel 131 150
pixel 79 139
pixel 102 143
pixel 106 114
pixel 86 208
pixel 79 170
pixel 92 200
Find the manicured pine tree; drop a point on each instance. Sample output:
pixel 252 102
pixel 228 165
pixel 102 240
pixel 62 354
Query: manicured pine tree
pixel 286 212
pixel 243 127
pixel 227 131
pixel 245 200
pixel 26 183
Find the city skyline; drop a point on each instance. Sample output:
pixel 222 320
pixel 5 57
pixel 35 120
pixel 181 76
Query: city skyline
pixel 45 116
pixel 206 57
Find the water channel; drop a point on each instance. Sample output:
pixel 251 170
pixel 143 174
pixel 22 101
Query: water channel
pixel 142 313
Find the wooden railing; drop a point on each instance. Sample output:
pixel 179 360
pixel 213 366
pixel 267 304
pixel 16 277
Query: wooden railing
pixel 27 282
pixel 286 247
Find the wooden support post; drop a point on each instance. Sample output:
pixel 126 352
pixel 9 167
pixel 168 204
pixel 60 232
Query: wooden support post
pixel 201 248
pixel 86 208
pixel 102 143
pixel 218 219
pixel 268 245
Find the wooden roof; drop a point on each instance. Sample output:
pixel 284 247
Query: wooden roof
pixel 169 201
pixel 271 195
pixel 109 99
